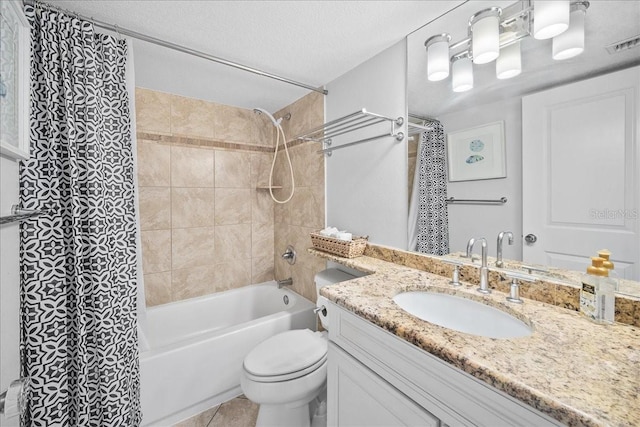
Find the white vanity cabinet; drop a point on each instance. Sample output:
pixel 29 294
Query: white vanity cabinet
pixel 378 379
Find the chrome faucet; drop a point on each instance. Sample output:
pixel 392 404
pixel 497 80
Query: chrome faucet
pixel 501 235
pixel 484 271
pixel 285 282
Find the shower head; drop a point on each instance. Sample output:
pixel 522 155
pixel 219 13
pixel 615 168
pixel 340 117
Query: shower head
pixel 275 122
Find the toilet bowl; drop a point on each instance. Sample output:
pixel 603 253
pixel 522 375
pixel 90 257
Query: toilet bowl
pixel 287 373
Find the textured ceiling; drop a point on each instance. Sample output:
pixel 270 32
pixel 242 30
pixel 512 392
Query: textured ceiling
pixel 313 42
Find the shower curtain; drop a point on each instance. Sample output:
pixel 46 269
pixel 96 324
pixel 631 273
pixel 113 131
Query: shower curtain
pixel 428 218
pixel 78 265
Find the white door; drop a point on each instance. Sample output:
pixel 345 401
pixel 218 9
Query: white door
pixel 580 163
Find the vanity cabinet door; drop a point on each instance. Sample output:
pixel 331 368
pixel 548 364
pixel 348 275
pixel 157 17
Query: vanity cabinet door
pixel 359 397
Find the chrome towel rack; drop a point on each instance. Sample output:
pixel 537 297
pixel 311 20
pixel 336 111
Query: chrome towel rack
pixel 19 214
pixel 349 123
pixel 500 201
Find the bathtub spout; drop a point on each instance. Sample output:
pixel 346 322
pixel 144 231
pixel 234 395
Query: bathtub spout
pixel 285 282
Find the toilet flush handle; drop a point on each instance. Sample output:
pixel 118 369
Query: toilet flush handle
pixel 322 309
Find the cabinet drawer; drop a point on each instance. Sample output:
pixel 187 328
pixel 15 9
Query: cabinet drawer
pixel 359 397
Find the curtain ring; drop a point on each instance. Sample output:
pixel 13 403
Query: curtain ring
pixel 115 26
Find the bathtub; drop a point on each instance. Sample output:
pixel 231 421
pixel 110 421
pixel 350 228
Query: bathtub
pixel 196 347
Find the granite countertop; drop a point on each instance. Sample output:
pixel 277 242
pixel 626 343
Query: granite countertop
pixel 576 371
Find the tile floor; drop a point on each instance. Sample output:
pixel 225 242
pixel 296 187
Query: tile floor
pixel 239 412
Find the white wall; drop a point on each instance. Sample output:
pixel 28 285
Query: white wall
pixel 466 221
pixel 366 184
pixel 9 283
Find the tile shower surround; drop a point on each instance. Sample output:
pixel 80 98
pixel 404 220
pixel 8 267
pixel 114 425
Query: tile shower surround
pixel 206 225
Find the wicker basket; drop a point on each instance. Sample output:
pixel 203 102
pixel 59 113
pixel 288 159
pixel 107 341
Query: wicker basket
pixel 343 248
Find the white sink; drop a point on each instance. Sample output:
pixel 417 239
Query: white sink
pixel 462 314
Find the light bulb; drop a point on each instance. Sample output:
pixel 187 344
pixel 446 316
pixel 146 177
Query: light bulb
pixel 485 35
pixel 550 18
pixel 462 73
pixel 509 63
pixel 438 57
pixel 571 42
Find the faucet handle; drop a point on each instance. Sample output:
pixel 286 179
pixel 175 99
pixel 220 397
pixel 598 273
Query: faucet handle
pixel 520 276
pixel 532 268
pixel 514 291
pixel 455 279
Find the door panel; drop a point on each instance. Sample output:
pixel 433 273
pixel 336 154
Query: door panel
pixel 580 173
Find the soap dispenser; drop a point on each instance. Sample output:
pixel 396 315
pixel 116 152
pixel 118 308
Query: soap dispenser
pixel 608 264
pixel 597 300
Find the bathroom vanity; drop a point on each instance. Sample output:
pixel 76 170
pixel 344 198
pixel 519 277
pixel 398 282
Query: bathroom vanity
pixel 376 378
pixel 387 367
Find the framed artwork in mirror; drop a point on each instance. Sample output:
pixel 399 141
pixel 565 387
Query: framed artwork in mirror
pixel 14 80
pixel 477 153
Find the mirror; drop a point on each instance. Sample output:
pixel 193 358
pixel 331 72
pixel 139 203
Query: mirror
pixel 492 100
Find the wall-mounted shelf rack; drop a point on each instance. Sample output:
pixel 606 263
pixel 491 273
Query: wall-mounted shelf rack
pixel 19 214
pixel 500 201
pixel 349 123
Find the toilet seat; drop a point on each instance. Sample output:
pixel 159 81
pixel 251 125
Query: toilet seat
pixel 286 356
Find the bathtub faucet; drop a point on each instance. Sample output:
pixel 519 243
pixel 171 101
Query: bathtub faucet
pixel 285 282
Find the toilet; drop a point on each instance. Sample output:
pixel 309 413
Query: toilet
pixel 286 374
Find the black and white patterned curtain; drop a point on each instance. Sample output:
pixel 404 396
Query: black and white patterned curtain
pixel 78 287
pixel 433 221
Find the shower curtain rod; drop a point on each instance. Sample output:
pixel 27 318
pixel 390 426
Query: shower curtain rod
pixel 124 31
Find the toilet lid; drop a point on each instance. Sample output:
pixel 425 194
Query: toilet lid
pixel 287 355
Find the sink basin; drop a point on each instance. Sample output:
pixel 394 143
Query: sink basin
pixel 462 314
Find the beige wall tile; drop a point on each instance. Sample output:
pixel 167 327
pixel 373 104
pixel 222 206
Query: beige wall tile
pixel 233 242
pixel 192 282
pixel 301 241
pixel 308 165
pixel 262 269
pixel 303 282
pixel 262 240
pixel 236 124
pixel 191 117
pixel 260 168
pixel 306 113
pixel 154 164
pixel 192 207
pixel 232 274
pixel 233 206
pixel 192 167
pixel 156 251
pixel 155 208
pixel 262 207
pixel 157 288
pixel 153 111
pixel 307 207
pixel 192 247
pixel 233 169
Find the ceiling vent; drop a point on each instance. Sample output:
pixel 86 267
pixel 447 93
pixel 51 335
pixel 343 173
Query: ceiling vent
pixel 624 44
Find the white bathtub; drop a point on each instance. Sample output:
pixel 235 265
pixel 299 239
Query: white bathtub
pixel 196 347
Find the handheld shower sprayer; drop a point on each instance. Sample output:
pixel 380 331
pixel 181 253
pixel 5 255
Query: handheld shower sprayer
pixel 275 122
pixel 279 131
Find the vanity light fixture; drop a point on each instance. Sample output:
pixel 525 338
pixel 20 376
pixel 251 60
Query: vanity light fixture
pixel 571 42
pixel 495 33
pixel 485 35
pixel 509 63
pixel 550 18
pixel 462 73
pixel 438 57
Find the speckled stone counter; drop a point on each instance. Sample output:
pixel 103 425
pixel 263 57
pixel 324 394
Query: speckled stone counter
pixel 576 371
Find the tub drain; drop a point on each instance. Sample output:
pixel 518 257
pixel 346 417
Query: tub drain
pixel 285 299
